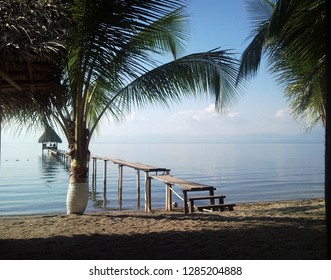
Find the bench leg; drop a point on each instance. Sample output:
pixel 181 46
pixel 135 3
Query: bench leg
pixel 148 199
pixel 168 197
pixel 185 206
pixel 211 193
pixel 192 206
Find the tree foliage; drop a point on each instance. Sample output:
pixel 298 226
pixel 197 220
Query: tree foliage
pixel 291 33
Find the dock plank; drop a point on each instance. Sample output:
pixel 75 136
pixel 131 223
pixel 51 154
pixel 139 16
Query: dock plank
pixel 135 165
pixel 169 179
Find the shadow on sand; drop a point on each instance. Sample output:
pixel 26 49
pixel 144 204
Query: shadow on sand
pixel 278 239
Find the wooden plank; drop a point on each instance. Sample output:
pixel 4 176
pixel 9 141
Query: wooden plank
pixel 136 165
pixel 222 207
pixel 212 200
pixel 206 197
pixel 169 179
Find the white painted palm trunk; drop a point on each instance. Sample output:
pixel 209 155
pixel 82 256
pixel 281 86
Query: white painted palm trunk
pixel 77 198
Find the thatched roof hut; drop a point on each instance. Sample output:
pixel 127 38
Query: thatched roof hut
pixel 33 33
pixel 49 136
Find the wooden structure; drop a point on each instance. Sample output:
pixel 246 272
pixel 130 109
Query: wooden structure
pixel 33 35
pixel 49 139
pixel 60 155
pixel 187 187
pixel 32 43
pixel 138 167
pixel 169 180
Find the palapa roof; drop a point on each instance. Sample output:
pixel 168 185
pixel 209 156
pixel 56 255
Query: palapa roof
pixel 49 136
pixel 33 33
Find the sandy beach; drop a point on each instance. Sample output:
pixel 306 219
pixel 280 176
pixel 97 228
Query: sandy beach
pixel 257 231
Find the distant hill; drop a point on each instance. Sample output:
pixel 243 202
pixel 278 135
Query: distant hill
pixel 313 137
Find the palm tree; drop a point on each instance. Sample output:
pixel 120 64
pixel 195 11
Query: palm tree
pixel 110 68
pixel 22 108
pixel 328 130
pixel 292 35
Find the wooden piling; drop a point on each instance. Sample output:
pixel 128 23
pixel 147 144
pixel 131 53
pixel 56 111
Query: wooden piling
pixel 168 197
pixel 120 185
pixel 138 167
pixel 148 202
pixel 94 174
pixel 105 176
pixel 138 189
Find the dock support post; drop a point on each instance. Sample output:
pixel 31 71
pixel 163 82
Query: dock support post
pixel 120 186
pixel 94 174
pixel 185 206
pixel 148 202
pixel 138 189
pixel 168 197
pixel 105 177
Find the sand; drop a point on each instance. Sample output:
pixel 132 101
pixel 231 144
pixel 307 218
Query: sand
pixel 257 231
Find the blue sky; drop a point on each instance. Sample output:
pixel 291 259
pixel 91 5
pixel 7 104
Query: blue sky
pixel 262 108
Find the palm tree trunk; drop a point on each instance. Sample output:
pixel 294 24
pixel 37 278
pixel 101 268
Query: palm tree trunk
pixel 78 191
pixel 328 130
pixel 0 131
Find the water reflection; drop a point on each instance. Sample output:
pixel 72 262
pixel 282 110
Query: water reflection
pixel 51 168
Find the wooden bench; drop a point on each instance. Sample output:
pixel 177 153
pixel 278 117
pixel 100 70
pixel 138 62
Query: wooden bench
pixel 186 186
pixel 211 198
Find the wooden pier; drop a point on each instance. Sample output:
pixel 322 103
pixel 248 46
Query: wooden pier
pixel 148 169
pixel 61 155
pixel 169 180
pixel 157 173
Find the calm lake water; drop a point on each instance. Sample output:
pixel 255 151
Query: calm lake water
pixel 31 183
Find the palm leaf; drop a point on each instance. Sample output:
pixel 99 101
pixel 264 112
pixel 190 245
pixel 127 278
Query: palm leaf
pixel 211 72
pixel 293 39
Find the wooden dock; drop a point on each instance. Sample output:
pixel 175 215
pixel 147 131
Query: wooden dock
pixel 162 174
pixel 148 169
pixel 61 155
pixel 157 173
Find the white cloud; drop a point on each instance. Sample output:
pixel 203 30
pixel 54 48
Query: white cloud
pixel 203 121
pixel 206 114
pixel 210 109
pixel 282 114
pixel 233 115
pixel 134 117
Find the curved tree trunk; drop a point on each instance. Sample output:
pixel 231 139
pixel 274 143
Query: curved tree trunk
pixel 0 131
pixel 328 131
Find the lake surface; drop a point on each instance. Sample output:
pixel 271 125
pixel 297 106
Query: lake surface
pixel 32 183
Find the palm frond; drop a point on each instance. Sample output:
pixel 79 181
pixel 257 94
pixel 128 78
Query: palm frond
pixel 212 73
pixel 252 55
pixel 293 39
